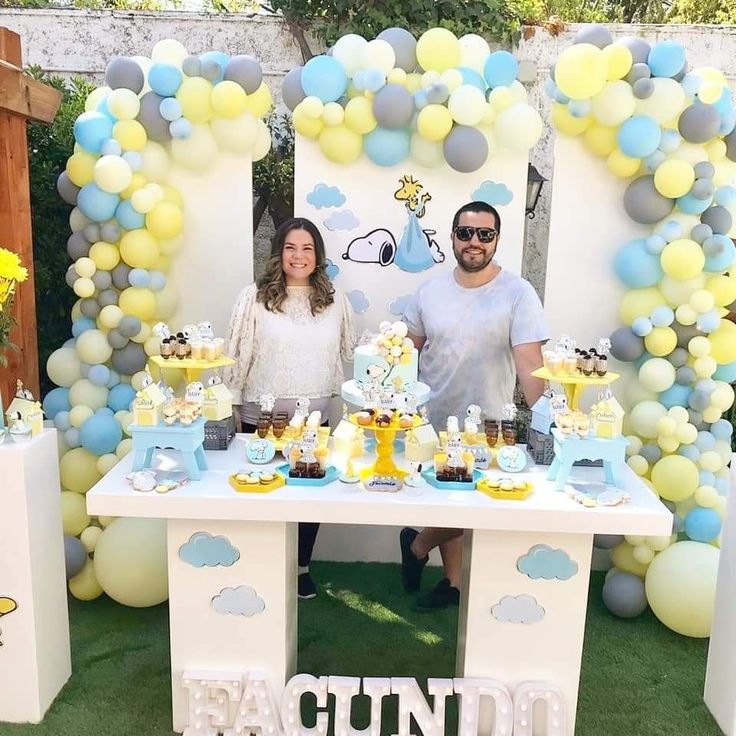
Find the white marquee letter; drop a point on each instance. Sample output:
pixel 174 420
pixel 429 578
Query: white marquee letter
pixel 470 691
pixel 290 712
pixel 210 694
pixel 524 698
pixel 257 711
pixel 413 703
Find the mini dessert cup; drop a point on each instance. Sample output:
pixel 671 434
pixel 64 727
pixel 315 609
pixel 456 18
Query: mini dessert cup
pixel 262 426
pixel 197 349
pixel 210 351
pixel 601 365
pixel 509 436
pixel 181 349
pixel 166 349
pixel 570 364
pixel 279 425
pixel 587 365
pixel 219 346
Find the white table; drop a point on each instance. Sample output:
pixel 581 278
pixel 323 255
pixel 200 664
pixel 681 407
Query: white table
pixel 263 529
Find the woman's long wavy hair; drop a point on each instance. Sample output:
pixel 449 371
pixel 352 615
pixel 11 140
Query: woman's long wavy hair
pixel 272 285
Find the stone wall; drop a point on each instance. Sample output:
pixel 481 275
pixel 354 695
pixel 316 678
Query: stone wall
pixel 69 42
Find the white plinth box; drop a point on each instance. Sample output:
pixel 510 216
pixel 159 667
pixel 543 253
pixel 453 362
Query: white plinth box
pixel 35 657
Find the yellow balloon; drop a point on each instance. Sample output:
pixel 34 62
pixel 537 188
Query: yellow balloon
pixel 333 114
pixel 427 153
pixel 621 164
pixel 665 103
pixel 613 104
pixel 673 178
pixel 661 341
pixel 169 51
pixel 396 76
pixel 95 97
pixel 723 342
pixel 110 316
pixel 91 534
pixel 359 116
pixel 196 152
pixel 500 98
pixel 340 144
pixel 675 477
pixel 78 415
pixel 260 102
pixel 262 144
pixel 581 71
pixel 84 586
pixel 438 49
pixel 636 302
pixel 600 140
pixel 229 99
pixel 123 103
pixel 623 558
pixel 138 302
pixel 566 123
pixel 80 168
pixel 723 289
pixel 195 98
pixel 306 125
pixel 112 174
pixel 105 255
pixel 85 267
pixel 434 122
pixel 165 220
pixel 105 463
pixel 236 134
pixel 413 82
pixel 618 60
pixel 84 288
pixel 716 149
pixel 130 134
pixel 73 511
pixel 682 259
pixel 156 162
pixel 139 249
pixel 137 181
pixel 169 247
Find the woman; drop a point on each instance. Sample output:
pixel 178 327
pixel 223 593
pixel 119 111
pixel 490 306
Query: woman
pixel 289 335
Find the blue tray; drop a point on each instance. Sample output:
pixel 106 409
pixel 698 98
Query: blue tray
pixel 331 474
pixel 431 478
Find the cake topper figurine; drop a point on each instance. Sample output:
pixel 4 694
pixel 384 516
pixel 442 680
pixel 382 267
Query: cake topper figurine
pixel 508 413
pixel 472 419
pixel 21 392
pixel 267 402
pixel 414 478
pixel 162 331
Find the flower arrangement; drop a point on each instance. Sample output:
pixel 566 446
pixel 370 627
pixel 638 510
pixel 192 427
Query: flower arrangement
pixel 12 273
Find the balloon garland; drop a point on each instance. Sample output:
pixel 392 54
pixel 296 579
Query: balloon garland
pixel 671 131
pixel 126 226
pixel 437 99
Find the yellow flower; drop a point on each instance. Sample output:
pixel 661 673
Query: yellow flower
pixel 10 266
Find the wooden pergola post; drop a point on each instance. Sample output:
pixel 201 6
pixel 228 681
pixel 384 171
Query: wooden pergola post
pixel 21 99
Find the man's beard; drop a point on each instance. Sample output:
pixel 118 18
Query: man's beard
pixel 472 267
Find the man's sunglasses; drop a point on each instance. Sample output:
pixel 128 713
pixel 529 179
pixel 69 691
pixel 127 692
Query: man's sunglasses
pixel 465 233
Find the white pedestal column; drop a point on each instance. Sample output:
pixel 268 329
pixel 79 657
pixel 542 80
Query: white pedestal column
pixel 35 657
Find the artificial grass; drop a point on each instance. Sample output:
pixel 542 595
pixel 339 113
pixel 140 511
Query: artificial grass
pixel 637 676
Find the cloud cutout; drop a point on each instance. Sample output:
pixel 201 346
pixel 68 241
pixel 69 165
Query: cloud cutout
pixel 324 195
pixel 547 563
pixel 398 306
pixel 204 550
pixel 332 270
pixel 493 193
pixel 359 301
pixel 342 220
pixel 519 609
pixel 240 601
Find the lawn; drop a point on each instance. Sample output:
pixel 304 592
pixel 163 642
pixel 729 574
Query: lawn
pixel 638 677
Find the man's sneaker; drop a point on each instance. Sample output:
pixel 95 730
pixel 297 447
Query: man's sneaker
pixel 411 565
pixel 306 588
pixel 442 596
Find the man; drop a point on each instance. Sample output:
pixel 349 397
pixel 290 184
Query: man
pixel 476 329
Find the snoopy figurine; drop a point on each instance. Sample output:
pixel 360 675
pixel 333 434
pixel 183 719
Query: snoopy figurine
pixel 414 479
pixel 472 419
pixel 302 409
pixel 205 331
pixel 162 331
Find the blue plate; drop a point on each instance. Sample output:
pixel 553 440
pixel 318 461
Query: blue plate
pixel 331 474
pixel 431 478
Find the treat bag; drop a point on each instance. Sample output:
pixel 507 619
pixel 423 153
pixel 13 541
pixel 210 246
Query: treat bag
pixel 413 253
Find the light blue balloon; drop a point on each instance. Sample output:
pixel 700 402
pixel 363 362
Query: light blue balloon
pixel 164 79
pixel 670 140
pixel 111 148
pixel 157 280
pixel 139 277
pixel 324 77
pixel 70 343
pixel 705 384
pixel 636 267
pixel 359 79
pixel 387 147
pixel 99 375
pixel 579 108
pixel 702 525
pixel 723 486
pixel 374 79
pixel 706 478
pixel 662 316
pixel 220 58
pixel 181 128
pixel 129 218
pixel 675 395
pixel 655 244
pixel 728 123
pixel 642 326
pixel 105 410
pixel 470 76
pixel 724 104
pixel 71 437
pixel 691 84
pixel 84 369
pixel 500 69
pixel 100 434
pixel 653 161
pixel 721 430
pixel 725 195
pixel 716 263
pixel 96 204
pixel 639 136
pixel 420 99
pixel 92 129
pixel 134 160
pixel 643 358
pixel 82 325
pixel 689 451
pixel 670 231
pixel 708 322
pixel 550 88
pixel 120 397
pixel 170 109
pixel 563 99
pixel 61 421
pixel 705 441
pixel 666 59
pixel 55 401
pixel 691 205
pixel 103 109
pixel 114 379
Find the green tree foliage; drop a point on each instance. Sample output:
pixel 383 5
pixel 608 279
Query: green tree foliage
pixel 703 11
pixel 273 175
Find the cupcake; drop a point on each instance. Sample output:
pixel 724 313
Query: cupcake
pixel 406 421
pixel 364 418
pixel 383 420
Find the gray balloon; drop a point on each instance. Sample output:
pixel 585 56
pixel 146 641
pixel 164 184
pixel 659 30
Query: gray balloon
pixel 110 232
pixel 77 246
pixel 681 74
pixel 624 595
pixel 638 71
pixel 68 191
pixel 211 70
pixel 89 308
pixel 84 369
pixel 625 345
pixel 120 276
pixel 704 170
pixel 246 71
pixel 643 88
pixel 712 247
pixel 70 276
pixel 130 359
pixel 92 232
pixel 404 45
pixel 685 375
pixel 291 88
pixel 102 280
pixel 685 333
pixel 678 357
pixel 129 325
pixel 644 204
pixel 192 66
pixel 702 189
pixel 465 149
pixel 393 106
pixel 695 417
pixel 124 72
pixel 730 141
pixel 607 541
pixel 75 555
pixel 594 34
pixel 438 93
pixel 108 297
pixel 651 453
pixel 699 123
pixel 700 233
pixel 116 340
pixel 149 116
pixel 719 219
pixel 698 400
pixel 639 48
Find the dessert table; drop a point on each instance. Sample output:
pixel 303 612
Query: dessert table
pixel 232 568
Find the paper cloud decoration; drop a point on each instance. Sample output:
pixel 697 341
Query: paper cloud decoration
pixel 342 220
pixel 546 563
pixel 519 609
pixel 493 193
pixel 398 306
pixel 359 301
pixel 324 195
pixel 204 550
pixel 332 270
pixel 240 601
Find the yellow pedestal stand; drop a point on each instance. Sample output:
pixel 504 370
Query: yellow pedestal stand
pixel 193 368
pixel 575 384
